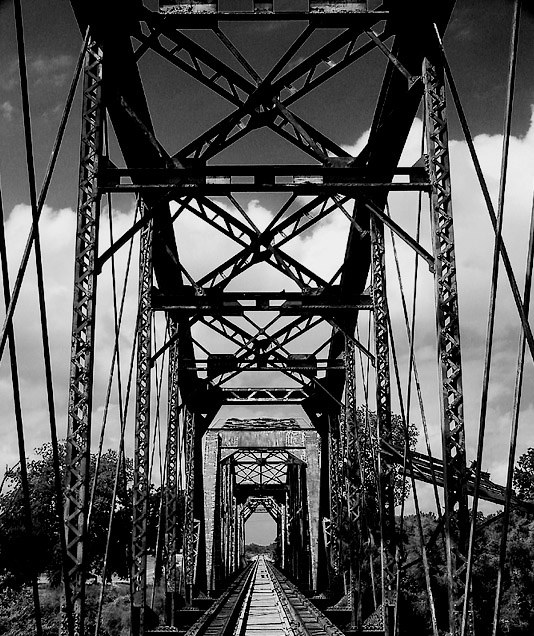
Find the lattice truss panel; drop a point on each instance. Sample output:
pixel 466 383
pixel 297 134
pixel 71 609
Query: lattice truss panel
pixel 270 236
pixel 257 504
pixel 266 305
pixel 261 468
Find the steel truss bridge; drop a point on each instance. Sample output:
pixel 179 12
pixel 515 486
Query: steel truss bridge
pixel 315 343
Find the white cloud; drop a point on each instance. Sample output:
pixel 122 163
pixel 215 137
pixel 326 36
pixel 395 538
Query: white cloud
pixel 9 76
pixel 51 69
pixel 57 236
pixel 43 69
pixel 43 64
pixel 7 109
pixel 321 249
pixel 474 241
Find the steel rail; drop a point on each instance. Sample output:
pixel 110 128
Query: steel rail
pixel 222 617
pixel 305 617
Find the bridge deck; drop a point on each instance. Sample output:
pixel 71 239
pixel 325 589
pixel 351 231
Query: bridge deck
pixel 263 614
pixel 262 602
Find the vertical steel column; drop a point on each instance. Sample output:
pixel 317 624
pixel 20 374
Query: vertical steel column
pixel 353 484
pixel 312 483
pixel 448 330
pixel 233 522
pixel 283 535
pixel 334 454
pixel 189 547
pixel 343 507
pixel 171 489
pixel 82 345
pixel 228 516
pixel 142 432
pixel 241 549
pixel 386 496
pixel 238 535
pixel 212 510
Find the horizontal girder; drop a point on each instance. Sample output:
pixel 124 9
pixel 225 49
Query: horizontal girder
pixel 265 395
pixel 205 302
pixel 222 180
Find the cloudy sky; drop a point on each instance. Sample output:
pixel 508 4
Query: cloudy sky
pixel 477 45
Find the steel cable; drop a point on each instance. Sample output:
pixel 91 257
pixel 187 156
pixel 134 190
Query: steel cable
pixel 27 506
pixel 514 430
pixel 487 198
pixel 426 566
pixel 512 63
pixel 42 302
pixel 120 465
pixel 110 379
pixel 414 370
pixel 42 196
pixel 159 543
pixel 115 360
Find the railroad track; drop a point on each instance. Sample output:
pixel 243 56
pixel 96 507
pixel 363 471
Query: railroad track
pixel 262 602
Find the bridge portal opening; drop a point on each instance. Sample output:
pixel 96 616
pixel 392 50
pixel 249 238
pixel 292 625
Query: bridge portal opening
pixel 261 529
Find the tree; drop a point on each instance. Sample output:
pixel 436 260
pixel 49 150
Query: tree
pixel 524 476
pixel 367 426
pixel 22 555
pixel 517 605
pixel 122 519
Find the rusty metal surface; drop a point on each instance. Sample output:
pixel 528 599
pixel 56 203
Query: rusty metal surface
pixel 82 343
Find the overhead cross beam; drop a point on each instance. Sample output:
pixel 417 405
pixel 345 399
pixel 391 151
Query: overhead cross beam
pixel 261 104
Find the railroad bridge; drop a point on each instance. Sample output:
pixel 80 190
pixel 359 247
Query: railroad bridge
pixel 264 352
pixel 274 464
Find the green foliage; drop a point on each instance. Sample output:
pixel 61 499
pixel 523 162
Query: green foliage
pixel 517 608
pixel 115 620
pixel 17 616
pixel 23 556
pixel 367 423
pixel 524 476
pixel 253 550
pixel 414 607
pixel 15 608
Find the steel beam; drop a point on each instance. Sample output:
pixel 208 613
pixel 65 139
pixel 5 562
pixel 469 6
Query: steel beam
pixel 171 488
pixel 201 301
pixel 395 111
pixel 82 344
pixel 353 487
pixel 430 470
pixel 336 497
pixel 448 331
pixel 212 484
pixel 141 484
pixel 302 186
pixel 190 540
pixel 383 411
pixel 329 20
pixel 264 395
